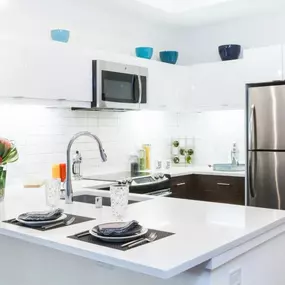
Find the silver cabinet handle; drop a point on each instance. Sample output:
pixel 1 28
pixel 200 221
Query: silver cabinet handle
pixel 223 184
pixel 181 184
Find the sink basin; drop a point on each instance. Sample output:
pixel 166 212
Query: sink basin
pixel 90 199
pixel 228 167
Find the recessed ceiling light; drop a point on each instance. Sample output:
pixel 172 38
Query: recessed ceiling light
pixel 180 6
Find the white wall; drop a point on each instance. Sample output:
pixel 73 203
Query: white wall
pixel 200 44
pixel 42 134
pixel 93 24
pixel 215 132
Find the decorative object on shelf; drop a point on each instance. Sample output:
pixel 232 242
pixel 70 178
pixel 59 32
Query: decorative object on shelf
pixel 175 143
pixel 176 160
pixel 182 151
pixel 169 56
pixel 60 35
pixel 144 52
pixel 8 154
pixel 229 52
pixel 190 151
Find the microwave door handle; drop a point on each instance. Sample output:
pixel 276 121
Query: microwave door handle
pixel 140 89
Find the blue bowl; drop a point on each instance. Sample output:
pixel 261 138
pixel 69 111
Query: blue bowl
pixel 60 35
pixel 144 52
pixel 169 56
pixel 229 52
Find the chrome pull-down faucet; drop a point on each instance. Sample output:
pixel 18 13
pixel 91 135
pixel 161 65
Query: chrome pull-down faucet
pixel 69 190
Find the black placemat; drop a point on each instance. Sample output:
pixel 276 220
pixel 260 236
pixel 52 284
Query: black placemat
pixel 78 220
pixel 90 239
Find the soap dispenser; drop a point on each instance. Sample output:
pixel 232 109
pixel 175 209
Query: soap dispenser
pixel 235 155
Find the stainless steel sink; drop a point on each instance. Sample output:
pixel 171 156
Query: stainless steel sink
pixel 228 167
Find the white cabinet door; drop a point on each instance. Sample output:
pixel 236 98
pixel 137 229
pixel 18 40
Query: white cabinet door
pixel 181 90
pixel 263 64
pixel 168 87
pixel 159 86
pixel 216 86
pixel 47 71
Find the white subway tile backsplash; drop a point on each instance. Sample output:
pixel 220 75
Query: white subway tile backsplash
pixel 42 135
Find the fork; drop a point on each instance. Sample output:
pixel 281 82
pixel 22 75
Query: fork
pixel 152 237
pixel 66 223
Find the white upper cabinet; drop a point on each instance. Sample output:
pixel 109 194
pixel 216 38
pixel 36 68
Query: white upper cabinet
pixel 51 71
pixel 222 85
pixel 168 86
pixel 63 73
pixel 216 86
pixel 263 64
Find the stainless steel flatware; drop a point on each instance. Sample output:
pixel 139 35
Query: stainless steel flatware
pixel 130 242
pixel 152 237
pixel 66 223
pixel 82 234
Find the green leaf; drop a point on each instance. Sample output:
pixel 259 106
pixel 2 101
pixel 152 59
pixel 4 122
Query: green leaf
pixel 11 156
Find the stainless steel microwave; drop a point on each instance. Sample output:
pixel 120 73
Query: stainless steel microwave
pixel 118 86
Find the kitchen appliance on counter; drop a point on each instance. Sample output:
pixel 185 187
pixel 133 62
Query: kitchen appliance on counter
pixel 118 86
pixel 266 145
pixel 140 183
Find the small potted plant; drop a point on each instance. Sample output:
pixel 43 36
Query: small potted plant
pixel 8 154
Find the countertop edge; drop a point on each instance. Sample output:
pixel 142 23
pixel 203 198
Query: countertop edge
pixel 164 274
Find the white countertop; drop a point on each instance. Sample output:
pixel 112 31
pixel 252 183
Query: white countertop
pixel 202 230
pixel 202 170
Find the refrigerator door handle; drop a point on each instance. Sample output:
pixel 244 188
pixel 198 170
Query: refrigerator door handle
pixel 252 132
pixel 250 170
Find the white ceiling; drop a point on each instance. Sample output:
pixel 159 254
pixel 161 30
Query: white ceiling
pixel 180 6
pixel 201 12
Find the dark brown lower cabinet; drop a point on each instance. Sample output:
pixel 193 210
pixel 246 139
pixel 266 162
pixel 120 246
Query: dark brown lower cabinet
pixel 211 188
pixel 180 186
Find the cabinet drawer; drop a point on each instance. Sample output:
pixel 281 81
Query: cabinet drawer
pixel 223 189
pixel 184 187
pixel 179 187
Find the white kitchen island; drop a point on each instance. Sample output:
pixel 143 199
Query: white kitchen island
pixel 213 244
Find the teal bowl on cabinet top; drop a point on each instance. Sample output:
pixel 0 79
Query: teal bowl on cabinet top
pixel 144 52
pixel 169 56
pixel 60 35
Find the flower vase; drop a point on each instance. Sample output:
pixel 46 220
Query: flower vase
pixel 3 172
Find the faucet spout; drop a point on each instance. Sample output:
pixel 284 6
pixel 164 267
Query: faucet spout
pixel 69 190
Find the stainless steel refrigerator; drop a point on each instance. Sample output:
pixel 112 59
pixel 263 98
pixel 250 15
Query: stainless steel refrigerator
pixel 266 145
